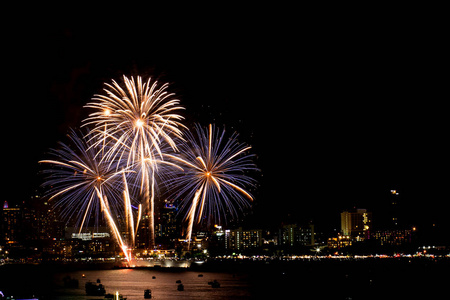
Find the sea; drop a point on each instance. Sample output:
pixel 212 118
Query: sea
pixel 308 279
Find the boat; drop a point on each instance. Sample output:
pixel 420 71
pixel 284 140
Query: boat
pixel 148 294
pixel 180 287
pixel 200 275
pixel 93 289
pixel 214 284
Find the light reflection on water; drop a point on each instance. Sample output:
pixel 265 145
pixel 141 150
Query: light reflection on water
pixel 131 283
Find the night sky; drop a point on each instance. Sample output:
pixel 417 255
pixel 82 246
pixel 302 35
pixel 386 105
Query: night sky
pixel 338 110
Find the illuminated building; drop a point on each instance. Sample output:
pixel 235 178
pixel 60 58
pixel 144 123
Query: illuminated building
pixel 340 241
pixel 10 224
pixel 87 234
pixel 91 241
pixel 238 239
pixel 346 221
pixel 394 237
pixel 40 221
pixel 167 224
pixel 292 235
pixel 219 233
pixel 143 233
pixel 357 224
pixel 394 210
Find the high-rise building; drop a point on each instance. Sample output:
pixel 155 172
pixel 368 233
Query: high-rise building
pixel 356 224
pixel 143 233
pixel 238 239
pixel 346 221
pixel 10 224
pixel 292 235
pixel 167 224
pixel 394 211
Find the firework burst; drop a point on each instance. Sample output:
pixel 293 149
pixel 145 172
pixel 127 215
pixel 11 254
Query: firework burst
pixel 132 122
pixel 213 178
pixel 84 185
pixel 77 175
pixel 135 119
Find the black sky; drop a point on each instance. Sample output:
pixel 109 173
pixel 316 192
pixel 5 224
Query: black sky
pixel 339 109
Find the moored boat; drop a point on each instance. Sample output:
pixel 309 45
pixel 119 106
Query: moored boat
pixel 148 294
pixel 214 284
pixel 93 289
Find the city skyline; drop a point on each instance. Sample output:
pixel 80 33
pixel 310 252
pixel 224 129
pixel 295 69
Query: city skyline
pixel 35 224
pixel 292 250
pixel 357 115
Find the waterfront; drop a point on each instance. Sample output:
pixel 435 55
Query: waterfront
pixel 373 278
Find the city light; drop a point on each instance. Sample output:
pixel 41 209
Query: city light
pixel 394 192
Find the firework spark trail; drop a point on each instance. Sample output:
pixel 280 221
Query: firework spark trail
pixel 133 122
pixel 107 212
pixel 129 220
pixel 213 177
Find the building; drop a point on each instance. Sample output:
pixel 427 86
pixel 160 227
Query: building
pixel 40 222
pixel 219 234
pixel 292 235
pixel 90 241
pixel 143 233
pixel 11 219
pixel 394 237
pixel 356 224
pixel 167 225
pixel 346 221
pixel 87 234
pixel 340 241
pixel 238 239
pixel 394 209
